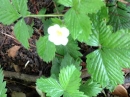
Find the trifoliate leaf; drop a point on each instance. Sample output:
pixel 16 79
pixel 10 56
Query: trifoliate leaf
pixel 91 88
pixel 2 85
pixel 69 79
pixel 10 11
pixel 119 15
pixel 22 33
pixel 105 64
pixel 79 25
pixel 50 86
pixel 68 85
pixel 8 14
pixel 46 49
pixel 21 6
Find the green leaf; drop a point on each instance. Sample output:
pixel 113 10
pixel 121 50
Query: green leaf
pixel 105 64
pixel 71 48
pixel 3 90
pixel 41 12
pixel 99 21
pixel 50 86
pixel 102 66
pixel 7 12
pixel 68 85
pixel 55 69
pixel 47 24
pixel 68 60
pixel 91 88
pixel 67 3
pixel 30 30
pixel 69 78
pixel 90 6
pixel 75 94
pixel 22 33
pixel 57 21
pixel 119 15
pixel 46 49
pixel 21 6
pixel 10 11
pixel 79 25
pixel 94 39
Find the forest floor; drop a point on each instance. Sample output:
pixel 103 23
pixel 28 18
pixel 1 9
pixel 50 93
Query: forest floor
pixel 22 67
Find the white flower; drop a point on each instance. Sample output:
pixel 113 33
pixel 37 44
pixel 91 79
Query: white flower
pixel 58 35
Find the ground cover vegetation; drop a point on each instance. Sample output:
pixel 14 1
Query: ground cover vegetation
pixel 102 25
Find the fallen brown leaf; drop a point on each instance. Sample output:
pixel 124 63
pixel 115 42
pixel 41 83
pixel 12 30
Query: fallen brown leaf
pixel 120 91
pixel 12 52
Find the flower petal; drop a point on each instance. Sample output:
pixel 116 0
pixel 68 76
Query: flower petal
pixel 53 29
pixel 50 30
pixel 65 31
pixel 55 40
pixel 64 41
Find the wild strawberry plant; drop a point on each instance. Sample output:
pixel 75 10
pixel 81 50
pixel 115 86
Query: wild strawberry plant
pixel 97 23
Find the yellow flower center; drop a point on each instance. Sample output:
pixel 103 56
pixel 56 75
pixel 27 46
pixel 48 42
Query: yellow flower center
pixel 59 33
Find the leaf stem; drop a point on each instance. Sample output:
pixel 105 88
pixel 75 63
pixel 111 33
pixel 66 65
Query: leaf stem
pixel 46 15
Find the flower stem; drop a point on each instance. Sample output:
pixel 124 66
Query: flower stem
pixel 46 15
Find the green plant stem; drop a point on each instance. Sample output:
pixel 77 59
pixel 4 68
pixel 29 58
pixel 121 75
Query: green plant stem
pixel 46 15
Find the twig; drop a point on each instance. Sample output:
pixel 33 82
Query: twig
pixel 25 77
pixel 7 35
